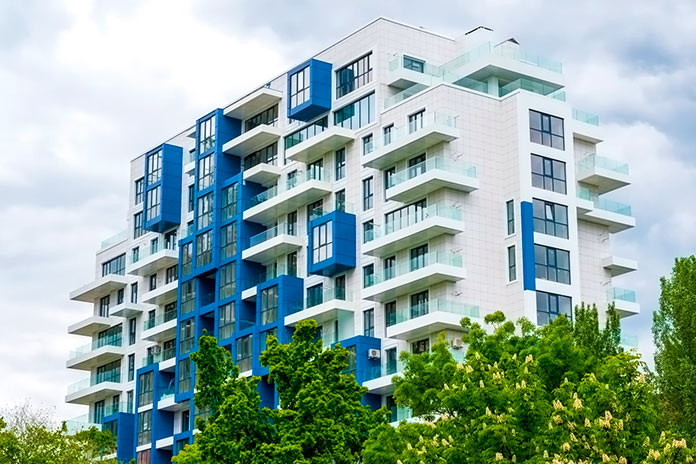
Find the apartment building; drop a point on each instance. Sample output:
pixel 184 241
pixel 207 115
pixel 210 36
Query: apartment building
pixel 386 187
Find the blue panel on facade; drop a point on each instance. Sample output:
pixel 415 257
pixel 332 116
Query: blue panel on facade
pixel 343 246
pixel 123 426
pixel 528 269
pixel 168 186
pixel 363 364
pixel 319 91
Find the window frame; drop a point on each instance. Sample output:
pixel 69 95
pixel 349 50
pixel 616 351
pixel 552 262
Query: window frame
pixel 354 75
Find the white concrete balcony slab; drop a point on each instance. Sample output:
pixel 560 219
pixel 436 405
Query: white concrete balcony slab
pixel 128 309
pixel 591 208
pixel 323 308
pixel 99 288
pixel 624 300
pixel 411 140
pixel 254 103
pixel 96 353
pixel 314 147
pixel 90 325
pixel 161 328
pixel 268 205
pixel 404 73
pixel 273 242
pixel 412 229
pixel 262 173
pixel 151 260
pixel 585 126
pixel 415 275
pixel 93 389
pixel 433 174
pixel 252 140
pixel 165 443
pixel 249 294
pixel 431 317
pixel 163 294
pixel 382 384
pixel 190 160
pixel 618 266
pixel 605 174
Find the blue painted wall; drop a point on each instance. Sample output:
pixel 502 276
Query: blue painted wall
pixel 528 266
pixel 170 189
pixel 125 425
pixel 319 91
pixel 343 245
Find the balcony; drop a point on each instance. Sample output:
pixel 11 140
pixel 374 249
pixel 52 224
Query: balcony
pixel 252 140
pixel 166 443
pixel 190 161
pixel 586 127
pixel 95 388
pixel 253 103
pixel 80 424
pixel 605 174
pixel 314 147
pixel 151 259
pixel 403 76
pixel 322 308
pixel 273 242
pixel 166 401
pixel 162 327
pixel 128 309
pixel 431 317
pixel 89 326
pixel 99 288
pixel 293 194
pixel 159 357
pixel 624 300
pixel 433 174
pixel 411 140
pixel 114 240
pixel 162 294
pixel 100 351
pixel 591 208
pixel 618 266
pixel 416 274
pixel 412 229
pixel 262 173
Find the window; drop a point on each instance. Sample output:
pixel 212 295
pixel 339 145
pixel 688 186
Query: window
pixel 179 445
pixel 119 296
pixel 353 76
pixel 228 280
pixel 552 264
pixel 144 430
pixel 184 384
pixel 206 135
pixel 546 130
pixel 268 117
pixel 153 282
pixel 185 420
pixel 292 264
pixel 265 336
pixel 414 64
pixel 143 457
pixel 109 373
pixel 415 121
pixel 267 155
pixel 98 411
pixel 187 333
pixel 153 203
pixel 131 366
pixel 548 174
pixel 228 240
pixel 391 363
pixel 244 353
pixel 389 178
pixel 139 185
pixel 116 265
pixel 315 170
pixel 135 254
pixel 145 388
pixel 188 297
pixel 389 267
pixel 291 180
pixel 550 218
pixel 204 248
pixel 322 241
pixel 186 258
pixel 190 198
pixel 205 172
pixel 390 313
pixel 340 163
pixel 171 274
pixel 299 87
pixel 421 346
pixel 510 212
pixel 405 216
pixel 226 317
pixel 419 304
pixel 550 306
pixel 205 211
pixel 368 231
pixel 129 401
pixel 269 305
pixel 367 144
pixel 134 292
pixel 356 115
pixel 170 240
pixel 292 223
pixel 368 275
pixel 315 295
pixel 369 323
pixel 352 361
pixel 154 245
pixel 110 336
pixel 138 225
pixel 340 200
pixel 228 206
pixel 416 166
pixel 132 324
pixel 368 193
pixel 315 210
pixel 104 306
pixel 307 132
pixel 512 264
pixel 387 133
pixel 340 288
pixel 154 167
pixel 419 257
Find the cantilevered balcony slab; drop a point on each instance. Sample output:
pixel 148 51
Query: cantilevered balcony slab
pixel 152 263
pixel 295 197
pixel 314 147
pixel 322 312
pixel 86 359
pixel 167 403
pixel 381 385
pixel 128 309
pixel 166 443
pixel 585 126
pixel 160 332
pixel 253 103
pixel 624 300
pixel 615 221
pixel 435 174
pixel 99 288
pixel 262 173
pixel 433 317
pixel 272 248
pixel 618 266
pixel 603 173
pixel 87 393
pixel 163 294
pixel 92 324
pixel 250 141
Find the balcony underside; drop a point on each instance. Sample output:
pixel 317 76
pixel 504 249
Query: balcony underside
pixel 99 288
pixel 250 141
pixel 97 357
pixel 94 393
pixel 626 308
pixel 160 332
pixel 381 385
pixel 272 248
pixel 605 180
pixel 412 235
pixel 313 148
pixel 129 309
pixel 253 103
pixel 431 181
pixel 430 323
pixel 412 282
pixel 262 173
pixel 162 295
pixel 412 144
pixel 89 326
pixel 295 198
pixel 614 221
pixel 321 313
pixel 153 263
pixel 618 266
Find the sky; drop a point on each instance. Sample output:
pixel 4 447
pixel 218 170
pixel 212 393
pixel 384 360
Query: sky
pixel 86 86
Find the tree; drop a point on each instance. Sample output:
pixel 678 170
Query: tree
pixel 674 331
pixel 320 420
pixel 28 436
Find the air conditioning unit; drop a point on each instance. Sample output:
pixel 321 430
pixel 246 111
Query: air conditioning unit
pixel 457 343
pixel 373 354
pixel 156 349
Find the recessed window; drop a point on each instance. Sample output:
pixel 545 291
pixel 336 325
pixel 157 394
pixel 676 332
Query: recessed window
pixel 551 305
pixel 404 216
pixel 154 167
pixel 228 206
pixel 315 295
pixel 512 264
pixel 322 242
pixel 267 155
pixel 340 200
pixel 206 172
pixel 367 144
pixel 354 75
pixel 153 203
pixel 299 87
pixel 188 297
pixel 115 265
pixel 368 193
pixel 368 275
pixel 184 373
pixel 419 304
pixel 205 211
pixel 415 121
pixel 414 64
pixel 419 257
pixel 144 432
pixel 357 114
pixel 206 135
pixel 204 248
pixel 228 241
pixel 340 163
pixel 550 218
pixel 548 174
pixel 552 264
pixel 510 213
pixel 187 336
pixel 369 323
pixel 145 388
pixel 186 258
pixel 268 117
pixel 226 318
pixel 421 346
pixel 368 231
pixel 139 185
pixel 546 130
pixel 390 313
pixel 244 350
pixel 387 133
pixel 228 280
pixel 138 230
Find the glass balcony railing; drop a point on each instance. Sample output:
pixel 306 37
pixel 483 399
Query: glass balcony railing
pixel 438 162
pixel 315 298
pixel 404 94
pixel 585 193
pixel 111 408
pixel 532 86
pixel 344 206
pixel 113 375
pixel 80 423
pixel 114 239
pixel 167 393
pixel 630 341
pixel 413 217
pixel 414 264
pixel 113 340
pixel 190 157
pixel 622 294
pixel 163 355
pixel 401 413
pixel 584 116
pixel 151 249
pixel 159 320
pixel 437 305
pixel 289 184
pixel 396 135
pixel 273 232
pixel 593 161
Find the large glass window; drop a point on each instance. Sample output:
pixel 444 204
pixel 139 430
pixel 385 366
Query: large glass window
pixel 154 167
pixel 139 185
pixel 188 297
pixel 546 130
pixel 206 135
pixel 205 210
pixel 244 347
pixel 268 117
pixel 104 306
pixel 153 203
pixel 340 161
pixel 415 121
pixel 204 248
pixel 369 323
pixel 405 216
pixel 268 155
pixel 116 265
pixel 413 64
pixel 226 317
pixel 228 206
pixel 418 257
pixel 228 240
pixel 206 172
pixel 299 87
pixel 322 242
pixel 110 372
pixel 138 230
pixel 552 264
pixel 306 132
pixel 186 258
pixel 315 295
pixel 390 313
pixel 421 346
pixel 368 275
pixel 144 430
pixel 187 335
pixel 184 384
pixel 419 304
pixel 269 305
pixel 132 327
pixel 550 218
pixel 548 174
pixel 145 388
pixel 354 75
pixel 171 274
pixel 550 306
pixel 356 115
pixel 228 280
pixel 368 193
pixel 512 264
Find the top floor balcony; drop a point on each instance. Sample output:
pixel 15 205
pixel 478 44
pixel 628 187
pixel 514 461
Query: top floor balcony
pixel 253 103
pixel 98 288
pixel 252 140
